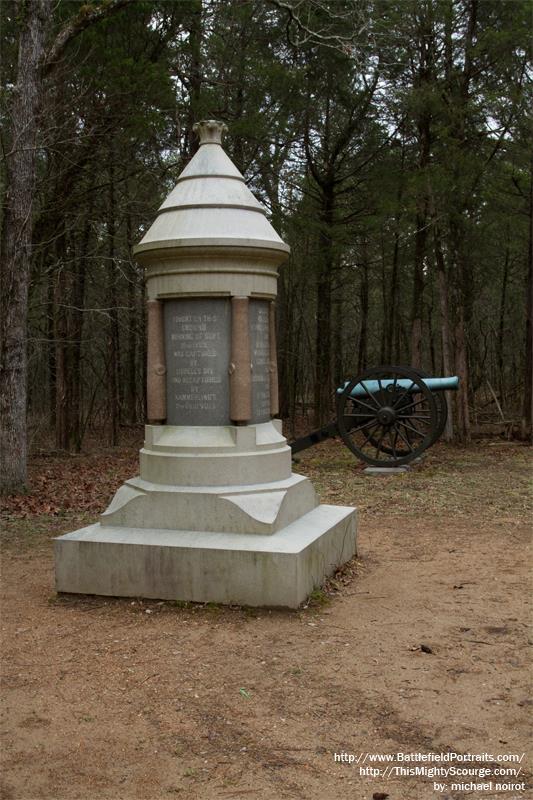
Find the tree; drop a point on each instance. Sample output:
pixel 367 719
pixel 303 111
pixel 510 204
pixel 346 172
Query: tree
pixel 15 252
pixel 17 214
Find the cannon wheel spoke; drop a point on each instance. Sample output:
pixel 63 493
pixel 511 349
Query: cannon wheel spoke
pixel 365 405
pixel 400 434
pixel 378 446
pixel 409 417
pixel 411 428
pixel 366 435
pixel 407 391
pixel 393 443
pixel 412 405
pixel 370 395
pixel 362 427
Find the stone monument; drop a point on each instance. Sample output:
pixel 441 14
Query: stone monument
pixel 216 513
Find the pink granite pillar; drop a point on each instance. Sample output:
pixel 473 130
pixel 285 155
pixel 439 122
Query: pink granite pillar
pixel 156 388
pixel 240 367
pixel 273 367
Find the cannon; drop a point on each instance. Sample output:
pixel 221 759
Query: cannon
pixel 387 416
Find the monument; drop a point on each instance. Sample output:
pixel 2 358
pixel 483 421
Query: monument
pixel 216 513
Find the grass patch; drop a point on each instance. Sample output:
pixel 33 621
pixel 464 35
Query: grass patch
pixel 318 598
pixel 483 480
pixel 22 534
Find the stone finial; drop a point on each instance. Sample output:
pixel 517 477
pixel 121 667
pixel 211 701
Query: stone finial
pixel 210 131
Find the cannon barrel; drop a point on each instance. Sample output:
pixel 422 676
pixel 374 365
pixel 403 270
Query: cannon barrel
pixel 371 386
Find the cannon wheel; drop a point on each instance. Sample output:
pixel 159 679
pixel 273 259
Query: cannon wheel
pixel 389 425
pixel 442 409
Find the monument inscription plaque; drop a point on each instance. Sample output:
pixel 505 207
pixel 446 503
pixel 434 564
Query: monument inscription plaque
pixel 197 347
pixel 260 352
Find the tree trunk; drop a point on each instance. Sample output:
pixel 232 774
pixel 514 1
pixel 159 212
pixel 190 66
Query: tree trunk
pixel 445 328
pixel 462 292
pixel 16 245
pixel 385 306
pixel 75 432
pixel 51 347
pixel 364 297
pixel 459 219
pixel 131 360
pixel 527 412
pixel 61 345
pixel 431 339
pixel 323 366
pixel 338 357
pixel 423 81
pixel 417 308
pixel 461 362
pixel 113 331
pixel 500 382
pixel 323 372
pixel 393 327
pixel 394 298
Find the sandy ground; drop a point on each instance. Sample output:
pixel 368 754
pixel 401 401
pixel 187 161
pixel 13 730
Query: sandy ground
pixel 421 645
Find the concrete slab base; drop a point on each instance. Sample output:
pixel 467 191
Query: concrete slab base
pixel 281 569
pixel 383 471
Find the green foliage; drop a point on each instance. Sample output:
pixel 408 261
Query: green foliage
pixel 317 599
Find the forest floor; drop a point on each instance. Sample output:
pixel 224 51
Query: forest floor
pixel 420 645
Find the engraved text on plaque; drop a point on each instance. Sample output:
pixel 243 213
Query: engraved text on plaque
pixel 260 352
pixel 197 344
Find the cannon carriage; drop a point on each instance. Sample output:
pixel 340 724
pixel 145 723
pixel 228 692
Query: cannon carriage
pixel 387 416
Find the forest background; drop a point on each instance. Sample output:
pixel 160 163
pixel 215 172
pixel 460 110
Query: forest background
pixel 389 141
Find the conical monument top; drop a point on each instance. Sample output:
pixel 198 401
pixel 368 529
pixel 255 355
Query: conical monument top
pixel 210 206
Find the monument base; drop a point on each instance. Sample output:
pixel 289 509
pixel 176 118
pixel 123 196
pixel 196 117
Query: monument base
pixel 280 569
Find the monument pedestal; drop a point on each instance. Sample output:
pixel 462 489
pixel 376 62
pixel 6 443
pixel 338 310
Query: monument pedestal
pixel 184 530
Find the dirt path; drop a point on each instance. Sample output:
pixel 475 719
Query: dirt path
pixel 125 699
